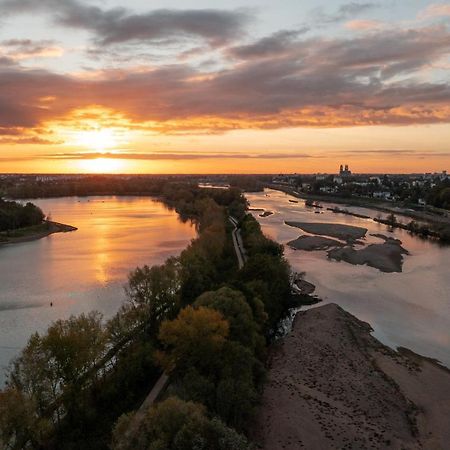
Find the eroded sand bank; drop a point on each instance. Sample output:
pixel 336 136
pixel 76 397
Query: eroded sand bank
pixel 311 243
pixel 335 230
pixel 386 257
pixel 332 385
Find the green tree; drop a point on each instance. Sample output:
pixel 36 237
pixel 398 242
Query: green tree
pixel 155 291
pixel 391 219
pixel 444 198
pixel 19 422
pixel 235 309
pixel 56 361
pixel 269 277
pixel 238 385
pixel 176 425
pixel 49 372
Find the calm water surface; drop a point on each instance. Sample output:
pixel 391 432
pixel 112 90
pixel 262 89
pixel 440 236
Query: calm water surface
pixel 409 309
pixel 83 270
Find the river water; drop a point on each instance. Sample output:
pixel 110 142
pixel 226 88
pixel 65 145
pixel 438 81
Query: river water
pixel 409 309
pixel 83 270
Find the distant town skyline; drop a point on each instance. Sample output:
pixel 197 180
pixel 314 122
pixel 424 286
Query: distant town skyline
pixel 107 86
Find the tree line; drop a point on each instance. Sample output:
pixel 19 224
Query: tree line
pixel 14 215
pixel 439 195
pixel 197 317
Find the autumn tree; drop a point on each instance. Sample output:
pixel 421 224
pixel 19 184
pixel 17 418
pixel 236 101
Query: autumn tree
pixel 235 309
pixel 177 425
pixel 194 339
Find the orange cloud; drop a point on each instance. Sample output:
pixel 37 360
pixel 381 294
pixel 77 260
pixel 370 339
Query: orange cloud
pixel 21 49
pixel 314 83
pixel 435 10
pixel 363 25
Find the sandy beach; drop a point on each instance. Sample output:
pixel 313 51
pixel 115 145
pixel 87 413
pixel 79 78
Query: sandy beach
pixel 332 385
pixel 38 233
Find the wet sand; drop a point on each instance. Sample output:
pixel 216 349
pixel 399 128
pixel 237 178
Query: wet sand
pixel 301 286
pixel 312 243
pixel 347 233
pixel 386 257
pixel 332 385
pixel 50 228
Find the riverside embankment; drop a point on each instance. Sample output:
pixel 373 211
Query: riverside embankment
pixel 332 385
pixel 45 229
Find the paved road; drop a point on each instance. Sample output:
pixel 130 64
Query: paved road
pixel 238 244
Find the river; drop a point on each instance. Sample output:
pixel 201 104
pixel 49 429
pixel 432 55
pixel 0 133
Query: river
pixel 409 309
pixel 83 270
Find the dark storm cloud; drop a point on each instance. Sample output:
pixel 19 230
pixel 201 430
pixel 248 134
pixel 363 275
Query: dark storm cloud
pixel 119 25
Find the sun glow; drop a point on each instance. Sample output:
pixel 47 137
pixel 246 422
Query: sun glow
pixel 99 139
pixel 102 165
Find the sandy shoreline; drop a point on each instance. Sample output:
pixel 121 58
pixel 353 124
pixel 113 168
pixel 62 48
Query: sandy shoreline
pixel 386 257
pixel 347 233
pixel 386 207
pixel 332 385
pixel 312 243
pixel 54 227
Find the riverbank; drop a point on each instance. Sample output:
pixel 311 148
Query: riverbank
pixel 390 208
pixel 347 233
pixel 331 384
pixel 33 233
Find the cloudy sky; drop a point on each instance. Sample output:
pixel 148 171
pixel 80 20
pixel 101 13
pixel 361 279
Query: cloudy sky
pixel 226 86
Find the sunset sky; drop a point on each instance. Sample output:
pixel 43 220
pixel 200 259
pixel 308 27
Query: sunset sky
pixel 257 86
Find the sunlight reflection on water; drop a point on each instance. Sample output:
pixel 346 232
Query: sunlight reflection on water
pixel 83 270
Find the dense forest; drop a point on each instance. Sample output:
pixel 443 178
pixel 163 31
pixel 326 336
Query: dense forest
pixel 14 215
pixel 197 317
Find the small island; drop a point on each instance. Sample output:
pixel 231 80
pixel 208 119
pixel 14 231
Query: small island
pixel 339 241
pixel 22 223
pixel 386 257
pixel 334 230
pixel 312 243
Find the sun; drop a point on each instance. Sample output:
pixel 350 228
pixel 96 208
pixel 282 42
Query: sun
pixel 102 165
pixel 98 139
